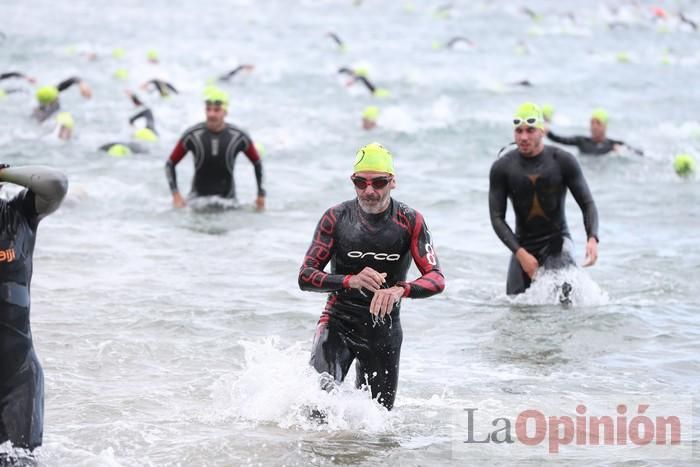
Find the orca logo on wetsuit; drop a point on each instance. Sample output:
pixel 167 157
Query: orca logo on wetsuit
pixel 377 256
pixel 7 255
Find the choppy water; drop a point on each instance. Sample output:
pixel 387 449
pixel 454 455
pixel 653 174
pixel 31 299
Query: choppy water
pixel 179 338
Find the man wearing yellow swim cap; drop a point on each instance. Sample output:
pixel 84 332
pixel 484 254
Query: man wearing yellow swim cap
pixel 536 178
pixel 369 242
pixel 215 145
pixel 598 143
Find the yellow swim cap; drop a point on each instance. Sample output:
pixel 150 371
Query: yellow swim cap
pixel 601 115
pixel 47 94
pixel 3 94
pixel 684 165
pixel 121 73
pixel 119 150
pixel 65 119
pixel 371 113
pixel 547 111
pixel 529 114
pixel 374 158
pixel 118 53
pixel 214 94
pixel 381 92
pixel 152 54
pixel 145 134
pixel 361 71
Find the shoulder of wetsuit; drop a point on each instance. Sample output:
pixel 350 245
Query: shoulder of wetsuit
pixel 193 128
pixel 24 202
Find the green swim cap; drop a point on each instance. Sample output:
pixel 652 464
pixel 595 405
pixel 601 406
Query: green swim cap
pixel 119 150
pixel 118 53
pixel 526 111
pixel 361 71
pixel 374 158
pixel 547 111
pixel 601 115
pixel 121 73
pixel 214 94
pixel 622 57
pixel 381 92
pixel 145 134
pixel 152 54
pixel 260 148
pixel 371 113
pixel 65 119
pixel 3 94
pixel 684 165
pixel 47 94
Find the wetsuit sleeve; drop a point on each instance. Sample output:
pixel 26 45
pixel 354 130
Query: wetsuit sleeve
pixel 312 277
pixel 146 114
pixel 432 280
pixel 254 158
pixel 172 88
pixel 46 188
pixel 175 157
pixel 135 99
pixel 65 84
pixel 498 204
pixel 367 84
pixel 11 74
pixel 582 194
pixel 568 140
pixel 231 73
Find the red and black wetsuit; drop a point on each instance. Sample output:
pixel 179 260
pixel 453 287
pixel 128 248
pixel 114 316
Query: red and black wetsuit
pixel 537 189
pixel 214 159
pixel 351 240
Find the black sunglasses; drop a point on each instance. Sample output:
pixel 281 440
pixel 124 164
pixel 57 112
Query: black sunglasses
pixel 376 183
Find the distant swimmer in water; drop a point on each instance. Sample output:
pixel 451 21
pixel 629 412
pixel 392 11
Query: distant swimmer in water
pixel 47 97
pixel 459 40
pixel 228 76
pixel 597 144
pixel 142 136
pixel 536 178
pixel 21 375
pixel 360 74
pixel 369 242
pixel 337 40
pixel 16 75
pixel 215 145
pixel 370 117
pixel 163 87
pixel 688 21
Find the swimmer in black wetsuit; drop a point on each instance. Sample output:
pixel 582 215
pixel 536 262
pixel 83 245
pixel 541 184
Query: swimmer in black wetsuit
pixel 48 97
pixel 21 376
pixel 146 134
pixel 215 145
pixel 536 177
pixel 235 71
pixel 597 144
pixel 163 87
pixel 369 242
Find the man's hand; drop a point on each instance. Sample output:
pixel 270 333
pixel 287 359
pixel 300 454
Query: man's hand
pixel 384 300
pixel 178 200
pixel 591 252
pixel 85 90
pixel 527 262
pixel 368 279
pixel 260 203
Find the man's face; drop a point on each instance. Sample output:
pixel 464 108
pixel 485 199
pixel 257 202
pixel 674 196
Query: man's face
pixel 597 129
pixel 529 139
pixel 215 114
pixel 373 190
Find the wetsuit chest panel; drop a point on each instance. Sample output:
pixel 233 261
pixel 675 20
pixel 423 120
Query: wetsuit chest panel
pixel 537 190
pixel 588 146
pixel 379 242
pixel 214 156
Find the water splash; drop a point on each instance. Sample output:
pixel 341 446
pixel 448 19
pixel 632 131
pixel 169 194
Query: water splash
pixel 277 385
pixel 546 289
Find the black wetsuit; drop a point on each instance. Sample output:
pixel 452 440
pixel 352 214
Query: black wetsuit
pixel 147 115
pixel 351 240
pixel 21 375
pixel 232 73
pixel 585 144
pixel 537 189
pixel 163 87
pixel 12 74
pixel 214 159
